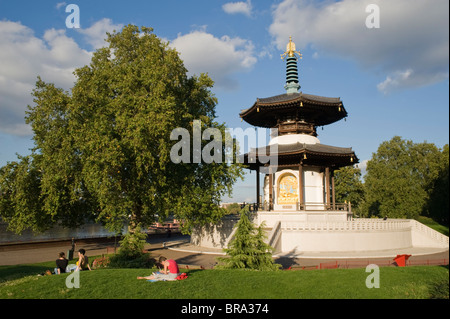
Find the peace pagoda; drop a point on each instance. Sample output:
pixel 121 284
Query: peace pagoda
pixel 302 179
pixel 298 207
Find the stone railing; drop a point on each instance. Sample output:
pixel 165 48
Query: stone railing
pixel 355 225
pixel 430 233
pixel 255 207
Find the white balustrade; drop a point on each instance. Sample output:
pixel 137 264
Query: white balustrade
pixel 362 225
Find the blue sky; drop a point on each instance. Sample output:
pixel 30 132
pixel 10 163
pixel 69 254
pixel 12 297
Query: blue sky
pixel 393 80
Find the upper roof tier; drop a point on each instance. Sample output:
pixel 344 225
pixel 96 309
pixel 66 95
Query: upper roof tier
pixel 294 106
pixel 314 109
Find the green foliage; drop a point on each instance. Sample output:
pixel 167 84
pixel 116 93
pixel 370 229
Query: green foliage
pixel 403 180
pixel 233 208
pixel 121 261
pixel 133 243
pixel 102 151
pixel 131 253
pixel 248 250
pixel 438 191
pixel 398 179
pixel 20 203
pixel 349 187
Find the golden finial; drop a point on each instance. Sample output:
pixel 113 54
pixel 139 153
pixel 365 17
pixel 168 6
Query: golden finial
pixel 290 50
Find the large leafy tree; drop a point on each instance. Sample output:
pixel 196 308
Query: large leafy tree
pixel 438 189
pixel 398 178
pixel 102 151
pixel 349 187
pixel 20 184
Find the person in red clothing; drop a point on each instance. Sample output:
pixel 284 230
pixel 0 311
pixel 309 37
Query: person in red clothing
pixel 170 271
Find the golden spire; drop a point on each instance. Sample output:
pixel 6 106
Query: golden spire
pixel 290 50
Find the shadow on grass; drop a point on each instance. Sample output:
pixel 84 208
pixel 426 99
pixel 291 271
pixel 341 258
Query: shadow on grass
pixel 439 289
pixel 190 272
pixel 14 272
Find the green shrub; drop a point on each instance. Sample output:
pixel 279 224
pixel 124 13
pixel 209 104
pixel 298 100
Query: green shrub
pixel 248 250
pixel 121 261
pixel 131 254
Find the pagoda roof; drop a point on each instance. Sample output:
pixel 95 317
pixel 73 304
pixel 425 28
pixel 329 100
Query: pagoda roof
pixel 308 154
pixel 319 110
pixel 283 149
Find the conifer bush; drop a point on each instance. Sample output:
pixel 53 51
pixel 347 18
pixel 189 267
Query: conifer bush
pixel 131 253
pixel 248 249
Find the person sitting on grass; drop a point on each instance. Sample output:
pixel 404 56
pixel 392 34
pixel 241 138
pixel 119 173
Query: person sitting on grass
pixel 83 261
pixel 61 264
pixel 170 271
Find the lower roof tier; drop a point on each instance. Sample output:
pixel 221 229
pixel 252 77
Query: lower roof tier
pixel 300 153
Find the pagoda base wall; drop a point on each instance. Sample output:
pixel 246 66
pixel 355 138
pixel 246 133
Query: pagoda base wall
pixel 215 236
pixel 354 236
pixel 301 241
pixel 272 217
pixel 297 233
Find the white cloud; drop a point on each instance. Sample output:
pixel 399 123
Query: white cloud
pixel 399 78
pixel 238 7
pixel 411 47
pixel 363 167
pixel 54 57
pixel 59 5
pixel 221 57
pixel 95 35
pixel 23 57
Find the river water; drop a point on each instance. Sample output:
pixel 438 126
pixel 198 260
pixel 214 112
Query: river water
pixel 56 233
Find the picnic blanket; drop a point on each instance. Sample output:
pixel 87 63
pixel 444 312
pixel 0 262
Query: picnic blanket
pixel 181 276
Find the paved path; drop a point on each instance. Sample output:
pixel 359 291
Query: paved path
pixel 48 251
pixel 178 247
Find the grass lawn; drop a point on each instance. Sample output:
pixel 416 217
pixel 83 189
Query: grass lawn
pixel 395 283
